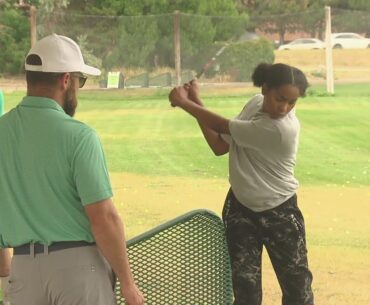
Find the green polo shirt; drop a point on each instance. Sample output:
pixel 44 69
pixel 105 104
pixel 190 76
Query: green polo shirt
pixel 51 166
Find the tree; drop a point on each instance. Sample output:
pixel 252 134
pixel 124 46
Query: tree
pixel 313 20
pixel 14 38
pixel 15 31
pixel 363 5
pixel 49 6
pixel 150 7
pixel 280 17
pixel 140 33
pixel 123 32
pixel 46 10
pixel 273 16
pixel 345 13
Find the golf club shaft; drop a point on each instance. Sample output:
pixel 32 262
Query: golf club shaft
pixel 208 64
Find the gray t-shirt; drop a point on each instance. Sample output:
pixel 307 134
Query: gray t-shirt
pixel 262 156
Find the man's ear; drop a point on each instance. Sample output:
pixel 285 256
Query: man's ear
pixel 265 89
pixel 65 80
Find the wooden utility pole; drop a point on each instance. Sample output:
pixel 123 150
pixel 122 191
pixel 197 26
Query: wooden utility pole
pixel 31 12
pixel 329 52
pixel 176 43
pixel 32 17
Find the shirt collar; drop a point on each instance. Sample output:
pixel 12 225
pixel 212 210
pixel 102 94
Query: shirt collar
pixel 40 102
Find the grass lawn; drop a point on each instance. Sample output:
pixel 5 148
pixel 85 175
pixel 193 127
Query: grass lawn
pixel 161 167
pixel 144 135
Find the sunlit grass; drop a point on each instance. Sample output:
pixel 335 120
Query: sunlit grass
pixel 144 135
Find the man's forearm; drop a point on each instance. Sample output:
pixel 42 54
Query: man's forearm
pixel 4 271
pixel 110 239
pixel 4 262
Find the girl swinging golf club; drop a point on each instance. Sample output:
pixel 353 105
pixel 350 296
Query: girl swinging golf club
pixel 261 206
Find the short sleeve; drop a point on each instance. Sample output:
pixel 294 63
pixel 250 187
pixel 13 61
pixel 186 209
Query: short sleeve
pixel 226 138
pixel 258 134
pixel 90 170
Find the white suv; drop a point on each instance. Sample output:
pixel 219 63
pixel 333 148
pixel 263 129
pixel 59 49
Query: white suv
pixel 349 41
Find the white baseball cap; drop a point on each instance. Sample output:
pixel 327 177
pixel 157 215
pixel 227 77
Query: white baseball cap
pixel 59 54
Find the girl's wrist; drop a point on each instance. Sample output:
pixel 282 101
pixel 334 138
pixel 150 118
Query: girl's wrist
pixel 183 101
pixel 198 101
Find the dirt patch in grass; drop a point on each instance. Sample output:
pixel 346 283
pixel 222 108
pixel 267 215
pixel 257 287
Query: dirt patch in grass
pixel 163 198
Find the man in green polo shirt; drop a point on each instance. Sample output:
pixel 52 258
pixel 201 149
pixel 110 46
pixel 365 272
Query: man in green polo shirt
pixel 55 192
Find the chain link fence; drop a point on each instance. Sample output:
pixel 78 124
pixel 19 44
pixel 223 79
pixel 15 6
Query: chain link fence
pixel 164 50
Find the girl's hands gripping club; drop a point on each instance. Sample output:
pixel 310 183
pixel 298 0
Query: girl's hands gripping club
pixel 189 92
pixel 178 96
pixel 193 91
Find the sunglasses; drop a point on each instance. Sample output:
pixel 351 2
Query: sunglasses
pixel 81 79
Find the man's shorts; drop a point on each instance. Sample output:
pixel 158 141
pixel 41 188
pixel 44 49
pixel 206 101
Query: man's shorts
pixel 74 276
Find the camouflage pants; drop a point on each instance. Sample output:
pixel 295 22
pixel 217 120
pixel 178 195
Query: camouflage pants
pixel 281 230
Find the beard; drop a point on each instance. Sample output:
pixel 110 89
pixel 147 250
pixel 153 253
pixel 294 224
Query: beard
pixel 70 101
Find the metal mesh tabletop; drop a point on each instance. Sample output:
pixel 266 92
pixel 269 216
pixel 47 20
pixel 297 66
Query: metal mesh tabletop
pixel 184 261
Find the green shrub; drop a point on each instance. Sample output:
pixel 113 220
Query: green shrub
pixel 239 59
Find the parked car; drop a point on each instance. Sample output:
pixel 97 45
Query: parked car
pixel 303 43
pixel 349 41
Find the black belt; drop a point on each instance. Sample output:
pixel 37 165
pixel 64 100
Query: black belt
pixel 40 248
